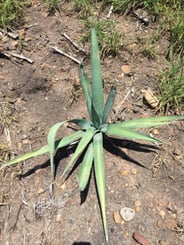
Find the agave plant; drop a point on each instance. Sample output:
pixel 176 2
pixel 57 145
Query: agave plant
pixel 90 137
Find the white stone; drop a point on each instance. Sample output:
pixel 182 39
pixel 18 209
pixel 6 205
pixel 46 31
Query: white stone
pixel 127 213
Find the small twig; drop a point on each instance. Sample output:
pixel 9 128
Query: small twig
pixel 55 49
pixel 29 26
pixel 10 34
pixel 74 43
pixel 3 204
pixel 5 55
pixel 20 56
pixel 110 12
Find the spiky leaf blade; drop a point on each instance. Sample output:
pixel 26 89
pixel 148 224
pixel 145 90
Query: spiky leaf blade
pixel 109 103
pixel 85 168
pixel 67 140
pixel 149 122
pixel 83 123
pixel 51 144
pixel 121 132
pixel 26 156
pixel 97 86
pixel 86 88
pixel 86 138
pixel 100 176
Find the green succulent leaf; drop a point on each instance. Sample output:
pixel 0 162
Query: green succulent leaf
pixel 67 140
pixel 109 103
pixel 86 138
pixel 83 123
pixel 85 168
pixel 149 122
pixel 26 156
pixel 100 176
pixel 51 144
pixel 97 87
pixel 95 117
pixel 86 88
pixel 122 132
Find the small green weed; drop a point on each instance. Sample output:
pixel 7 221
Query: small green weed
pixel 12 12
pixel 171 87
pixel 169 13
pixel 4 153
pixel 90 138
pixel 84 7
pixel 6 117
pixel 52 5
pixel 109 38
pixel 147 46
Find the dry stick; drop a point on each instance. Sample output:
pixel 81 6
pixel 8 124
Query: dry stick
pixel 10 34
pixel 74 43
pixel 7 56
pixel 20 56
pixel 110 12
pixel 55 49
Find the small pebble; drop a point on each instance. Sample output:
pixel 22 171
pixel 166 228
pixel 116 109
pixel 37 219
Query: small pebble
pixel 134 171
pixel 126 69
pixel 124 172
pixel 58 218
pixel 140 238
pixel 117 218
pixel 155 131
pixel 127 213
pixel 137 209
pixel 40 190
pixel 137 203
pixel 162 203
pixel 162 242
pixel 162 213
pixel 126 185
pixel 150 98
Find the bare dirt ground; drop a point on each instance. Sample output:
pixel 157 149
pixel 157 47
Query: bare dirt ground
pixel 47 91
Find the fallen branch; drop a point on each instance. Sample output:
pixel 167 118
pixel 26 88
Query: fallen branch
pixel 74 43
pixel 20 56
pixel 110 12
pixel 55 49
pixel 9 34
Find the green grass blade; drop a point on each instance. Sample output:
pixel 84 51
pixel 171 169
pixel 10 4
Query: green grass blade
pixel 109 103
pixel 86 88
pixel 121 132
pixel 86 138
pixel 100 176
pixel 67 140
pixel 149 122
pixel 51 143
pixel 83 123
pixel 97 87
pixel 85 168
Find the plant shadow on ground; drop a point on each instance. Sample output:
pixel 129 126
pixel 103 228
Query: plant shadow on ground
pixel 112 145
pixel 81 243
